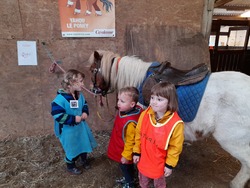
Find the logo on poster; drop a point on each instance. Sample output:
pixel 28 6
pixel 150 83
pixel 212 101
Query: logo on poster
pixel 104 32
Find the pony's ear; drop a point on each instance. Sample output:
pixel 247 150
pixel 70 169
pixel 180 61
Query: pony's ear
pixel 97 55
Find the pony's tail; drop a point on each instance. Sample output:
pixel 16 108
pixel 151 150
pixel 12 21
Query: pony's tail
pixel 107 5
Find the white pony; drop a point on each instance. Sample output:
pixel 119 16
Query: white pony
pixel 224 110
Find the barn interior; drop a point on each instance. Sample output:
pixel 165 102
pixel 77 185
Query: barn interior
pixel 186 34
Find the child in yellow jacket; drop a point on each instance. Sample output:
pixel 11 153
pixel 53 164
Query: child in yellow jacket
pixel 122 138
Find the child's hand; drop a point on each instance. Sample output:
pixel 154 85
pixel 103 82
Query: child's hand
pixel 136 159
pixel 124 160
pixel 167 172
pixel 78 119
pixel 84 116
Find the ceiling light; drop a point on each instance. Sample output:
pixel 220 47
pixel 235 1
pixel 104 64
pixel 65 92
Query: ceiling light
pixel 245 14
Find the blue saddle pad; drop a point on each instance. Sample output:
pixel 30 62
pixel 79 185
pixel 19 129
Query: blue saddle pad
pixel 189 98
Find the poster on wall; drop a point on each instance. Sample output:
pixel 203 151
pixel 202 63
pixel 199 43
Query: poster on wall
pixel 26 52
pixel 87 18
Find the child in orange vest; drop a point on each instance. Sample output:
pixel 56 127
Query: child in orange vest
pixel 159 137
pixel 122 138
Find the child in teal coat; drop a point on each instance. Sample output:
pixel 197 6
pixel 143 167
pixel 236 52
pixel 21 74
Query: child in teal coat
pixel 70 110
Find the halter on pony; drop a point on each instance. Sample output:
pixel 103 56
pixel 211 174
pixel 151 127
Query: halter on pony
pixel 96 72
pixel 101 75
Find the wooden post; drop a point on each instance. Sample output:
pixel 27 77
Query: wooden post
pixel 207 18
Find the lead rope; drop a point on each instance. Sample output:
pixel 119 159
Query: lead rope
pixel 52 69
pixel 54 64
pixel 98 113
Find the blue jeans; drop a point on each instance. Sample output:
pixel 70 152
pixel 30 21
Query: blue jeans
pixel 128 172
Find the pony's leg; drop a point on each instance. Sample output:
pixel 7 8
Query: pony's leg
pixel 77 7
pixel 89 7
pixel 97 9
pixel 238 148
pixel 242 177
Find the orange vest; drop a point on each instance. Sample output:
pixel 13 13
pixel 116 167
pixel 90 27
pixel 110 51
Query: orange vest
pixel 154 144
pixel 116 143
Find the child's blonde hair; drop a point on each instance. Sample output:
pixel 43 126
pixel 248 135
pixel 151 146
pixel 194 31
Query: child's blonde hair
pixel 130 91
pixel 70 77
pixel 168 91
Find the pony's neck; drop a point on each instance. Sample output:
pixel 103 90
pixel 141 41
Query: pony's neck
pixel 131 72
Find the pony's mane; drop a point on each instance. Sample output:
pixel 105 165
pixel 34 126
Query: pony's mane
pixel 131 71
pixel 106 64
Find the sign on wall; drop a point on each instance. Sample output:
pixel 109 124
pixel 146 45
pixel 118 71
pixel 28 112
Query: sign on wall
pixel 87 18
pixel 26 52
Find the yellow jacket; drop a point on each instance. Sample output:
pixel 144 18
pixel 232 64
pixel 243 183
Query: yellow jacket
pixel 129 137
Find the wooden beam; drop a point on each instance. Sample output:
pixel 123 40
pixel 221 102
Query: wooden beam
pixel 219 3
pixel 224 17
pixel 207 18
pixel 234 7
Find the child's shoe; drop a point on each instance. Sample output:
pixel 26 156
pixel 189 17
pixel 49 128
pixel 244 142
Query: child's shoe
pixel 85 164
pixel 71 168
pixel 120 180
pixel 74 171
pixel 128 185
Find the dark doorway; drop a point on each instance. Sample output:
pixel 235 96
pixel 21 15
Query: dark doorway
pixel 229 46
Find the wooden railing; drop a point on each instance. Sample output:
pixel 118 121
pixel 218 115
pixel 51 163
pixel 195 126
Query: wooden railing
pixel 227 60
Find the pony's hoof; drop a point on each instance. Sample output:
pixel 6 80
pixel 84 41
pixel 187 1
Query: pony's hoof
pixel 87 13
pixel 98 13
pixel 77 11
pixel 70 3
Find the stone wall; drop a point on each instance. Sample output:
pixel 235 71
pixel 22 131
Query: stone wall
pixel 27 91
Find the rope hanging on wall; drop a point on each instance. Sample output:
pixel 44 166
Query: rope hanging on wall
pixel 54 64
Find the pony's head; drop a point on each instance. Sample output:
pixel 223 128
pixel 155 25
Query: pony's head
pixel 101 64
pixel 99 84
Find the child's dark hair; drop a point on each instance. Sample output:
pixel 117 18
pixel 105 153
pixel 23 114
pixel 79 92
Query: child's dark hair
pixel 167 90
pixel 132 92
pixel 71 76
